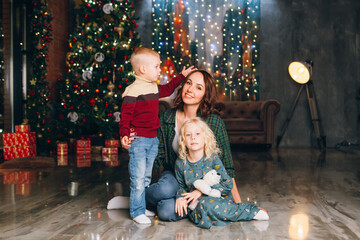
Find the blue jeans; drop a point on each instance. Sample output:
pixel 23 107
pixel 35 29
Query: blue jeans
pixel 142 154
pixel 162 195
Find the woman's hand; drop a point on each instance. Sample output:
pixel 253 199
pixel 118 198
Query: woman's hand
pixel 181 206
pixel 125 141
pixel 192 196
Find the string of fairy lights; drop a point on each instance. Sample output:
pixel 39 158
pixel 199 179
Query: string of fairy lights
pixel 219 36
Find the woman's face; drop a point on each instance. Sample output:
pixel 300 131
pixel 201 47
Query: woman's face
pixel 194 89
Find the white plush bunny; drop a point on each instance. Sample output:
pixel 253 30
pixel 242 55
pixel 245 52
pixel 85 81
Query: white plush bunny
pixel 204 185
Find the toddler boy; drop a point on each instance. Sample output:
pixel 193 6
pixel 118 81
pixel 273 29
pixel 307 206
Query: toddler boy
pixel 139 111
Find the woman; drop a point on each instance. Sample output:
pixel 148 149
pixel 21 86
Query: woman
pixel 196 98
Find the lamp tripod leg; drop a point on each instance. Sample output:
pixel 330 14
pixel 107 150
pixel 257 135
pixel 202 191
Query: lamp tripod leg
pixel 286 124
pixel 310 92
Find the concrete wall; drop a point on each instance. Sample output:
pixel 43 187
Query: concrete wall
pixel 328 33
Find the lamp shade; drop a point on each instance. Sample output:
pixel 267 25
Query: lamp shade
pixel 300 72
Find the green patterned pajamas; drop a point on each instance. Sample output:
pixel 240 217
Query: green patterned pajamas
pixel 210 210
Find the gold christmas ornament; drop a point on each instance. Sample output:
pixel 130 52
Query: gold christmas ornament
pixel 120 29
pixel 33 82
pixel 111 87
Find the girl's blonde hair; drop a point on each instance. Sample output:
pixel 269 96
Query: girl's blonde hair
pixel 209 139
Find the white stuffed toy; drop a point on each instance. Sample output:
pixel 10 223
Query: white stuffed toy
pixel 204 185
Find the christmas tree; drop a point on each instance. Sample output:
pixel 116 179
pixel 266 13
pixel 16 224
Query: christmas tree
pixel 37 105
pixel 98 71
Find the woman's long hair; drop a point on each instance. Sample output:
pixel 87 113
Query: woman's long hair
pixel 208 103
pixel 209 139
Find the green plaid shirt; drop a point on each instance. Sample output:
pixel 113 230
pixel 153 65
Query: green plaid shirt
pixel 167 157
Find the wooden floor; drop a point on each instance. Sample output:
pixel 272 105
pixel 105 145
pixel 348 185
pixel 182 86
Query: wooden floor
pixel 308 196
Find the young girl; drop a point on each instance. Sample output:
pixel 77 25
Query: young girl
pixel 197 156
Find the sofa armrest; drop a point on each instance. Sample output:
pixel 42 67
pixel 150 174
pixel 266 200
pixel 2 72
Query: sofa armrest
pixel 268 110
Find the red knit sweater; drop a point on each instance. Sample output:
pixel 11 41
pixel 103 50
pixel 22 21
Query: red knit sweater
pixel 140 107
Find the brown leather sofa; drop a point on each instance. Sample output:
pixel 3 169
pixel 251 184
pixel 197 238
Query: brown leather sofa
pixel 247 122
pixel 250 122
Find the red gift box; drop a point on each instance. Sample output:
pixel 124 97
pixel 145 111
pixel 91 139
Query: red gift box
pixel 109 158
pixel 22 128
pixel 110 150
pixel 83 147
pixel 62 160
pixel 10 146
pixel 26 144
pixel 83 160
pixel 112 143
pixel 62 149
pixel 112 163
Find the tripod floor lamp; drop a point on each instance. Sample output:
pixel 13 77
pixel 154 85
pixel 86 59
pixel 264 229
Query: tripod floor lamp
pixel 301 72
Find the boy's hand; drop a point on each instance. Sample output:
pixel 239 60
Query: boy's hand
pixel 187 71
pixel 125 142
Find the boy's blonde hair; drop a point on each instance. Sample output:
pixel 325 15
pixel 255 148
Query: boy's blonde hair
pixel 137 57
pixel 210 146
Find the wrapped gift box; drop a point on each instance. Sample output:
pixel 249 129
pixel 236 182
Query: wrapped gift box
pixel 10 146
pixel 111 160
pixel 110 150
pixel 112 143
pixel 83 147
pixel 62 149
pixel 62 160
pixel 22 128
pixel 83 160
pixel 26 144
pixel 109 157
pixel 112 163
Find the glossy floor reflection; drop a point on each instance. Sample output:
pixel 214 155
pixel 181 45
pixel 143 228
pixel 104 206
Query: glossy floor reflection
pixel 308 196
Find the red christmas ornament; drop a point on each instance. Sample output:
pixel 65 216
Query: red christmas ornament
pixel 61 116
pixel 84 119
pixel 110 114
pixel 92 101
